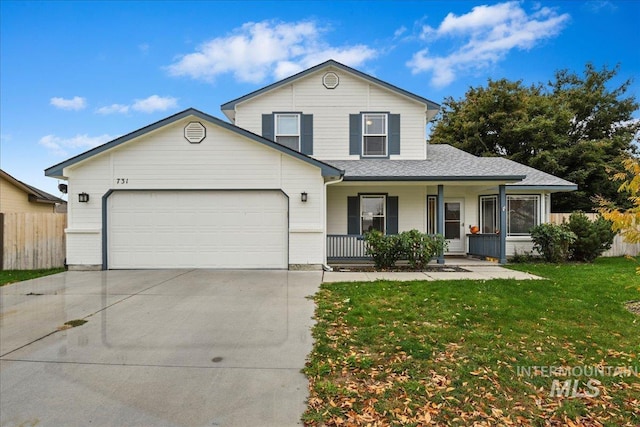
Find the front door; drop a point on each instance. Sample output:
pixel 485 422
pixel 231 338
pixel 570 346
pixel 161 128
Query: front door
pixel 454 225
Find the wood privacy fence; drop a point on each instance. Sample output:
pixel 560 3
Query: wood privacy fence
pixel 30 241
pixel 618 248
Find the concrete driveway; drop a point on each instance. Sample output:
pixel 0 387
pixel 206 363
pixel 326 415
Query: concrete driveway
pixel 160 348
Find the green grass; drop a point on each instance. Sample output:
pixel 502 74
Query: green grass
pixel 11 276
pixel 456 352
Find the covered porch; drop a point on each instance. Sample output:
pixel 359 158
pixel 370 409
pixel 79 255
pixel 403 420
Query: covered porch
pixel 449 210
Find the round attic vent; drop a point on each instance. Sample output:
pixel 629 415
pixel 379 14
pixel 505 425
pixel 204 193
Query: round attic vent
pixel 330 80
pixel 195 132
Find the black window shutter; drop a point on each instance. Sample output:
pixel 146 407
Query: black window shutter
pixel 355 133
pixel 267 126
pixel 306 129
pixel 394 133
pixel 392 214
pixel 353 215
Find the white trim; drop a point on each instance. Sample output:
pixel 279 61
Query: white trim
pixel 82 230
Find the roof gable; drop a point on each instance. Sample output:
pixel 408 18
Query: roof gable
pixel 229 107
pixel 57 170
pixel 35 194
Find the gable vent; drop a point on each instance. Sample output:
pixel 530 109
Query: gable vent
pixel 195 132
pixel 330 80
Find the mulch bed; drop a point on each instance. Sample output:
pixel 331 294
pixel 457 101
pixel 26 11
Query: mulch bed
pixel 401 268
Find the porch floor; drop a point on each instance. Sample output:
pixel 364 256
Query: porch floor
pixel 477 269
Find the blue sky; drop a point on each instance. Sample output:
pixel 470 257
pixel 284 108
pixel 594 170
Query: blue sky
pixel 77 74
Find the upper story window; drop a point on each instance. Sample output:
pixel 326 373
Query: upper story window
pixel 374 135
pixel 287 130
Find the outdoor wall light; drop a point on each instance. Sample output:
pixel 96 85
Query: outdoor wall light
pixel 83 197
pixel 303 196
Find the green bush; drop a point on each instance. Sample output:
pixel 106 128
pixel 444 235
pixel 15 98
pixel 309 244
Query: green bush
pixel 385 250
pixel 413 246
pixel 592 237
pixel 419 248
pixel 552 241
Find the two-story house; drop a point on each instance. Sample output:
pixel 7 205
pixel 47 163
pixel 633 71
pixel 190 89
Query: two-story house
pixel 304 168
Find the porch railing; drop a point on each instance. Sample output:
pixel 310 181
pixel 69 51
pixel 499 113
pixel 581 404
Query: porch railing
pixel 484 245
pixel 346 247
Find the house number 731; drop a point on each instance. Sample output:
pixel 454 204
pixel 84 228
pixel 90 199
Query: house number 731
pixel 122 180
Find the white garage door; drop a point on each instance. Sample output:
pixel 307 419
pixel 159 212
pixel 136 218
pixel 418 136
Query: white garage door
pixel 197 229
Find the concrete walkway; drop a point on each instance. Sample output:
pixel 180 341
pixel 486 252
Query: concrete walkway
pixel 476 270
pixel 160 348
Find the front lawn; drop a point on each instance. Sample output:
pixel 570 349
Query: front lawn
pixel 11 276
pixel 480 352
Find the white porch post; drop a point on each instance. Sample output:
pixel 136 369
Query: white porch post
pixel 440 217
pixel 502 195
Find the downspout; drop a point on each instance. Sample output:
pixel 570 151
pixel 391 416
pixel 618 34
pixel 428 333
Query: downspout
pixel 325 266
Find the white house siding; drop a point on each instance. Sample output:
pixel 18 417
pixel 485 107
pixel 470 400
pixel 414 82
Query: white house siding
pixel 331 109
pixel 163 159
pixel 411 205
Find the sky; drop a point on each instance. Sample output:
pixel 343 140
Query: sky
pixel 76 74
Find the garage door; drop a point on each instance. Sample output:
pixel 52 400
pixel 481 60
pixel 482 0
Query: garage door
pixel 197 229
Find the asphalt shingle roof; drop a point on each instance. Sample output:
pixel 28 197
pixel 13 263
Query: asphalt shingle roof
pixel 447 163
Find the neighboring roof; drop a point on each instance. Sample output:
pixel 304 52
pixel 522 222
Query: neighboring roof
pixel 230 106
pixel 447 163
pixel 35 195
pixel 57 170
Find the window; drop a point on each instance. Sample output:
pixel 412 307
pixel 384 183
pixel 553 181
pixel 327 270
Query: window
pixel 374 134
pixel 488 214
pixel 523 214
pixel 372 213
pixel 431 214
pixel 287 130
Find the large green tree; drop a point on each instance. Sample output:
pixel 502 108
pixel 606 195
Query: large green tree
pixel 575 127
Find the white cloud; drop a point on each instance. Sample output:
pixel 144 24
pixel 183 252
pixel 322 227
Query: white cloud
pixel 62 146
pixel 154 103
pixel 483 37
pixel 400 31
pixel 268 49
pixel 75 103
pixel 597 6
pixel 147 105
pixel 113 108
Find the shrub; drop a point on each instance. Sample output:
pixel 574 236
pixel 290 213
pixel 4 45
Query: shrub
pixel 415 247
pixel 552 241
pixel 592 237
pixel 385 250
pixel 419 248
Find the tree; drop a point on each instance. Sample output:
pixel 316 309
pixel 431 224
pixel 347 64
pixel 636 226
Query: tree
pixel 625 221
pixel 574 127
